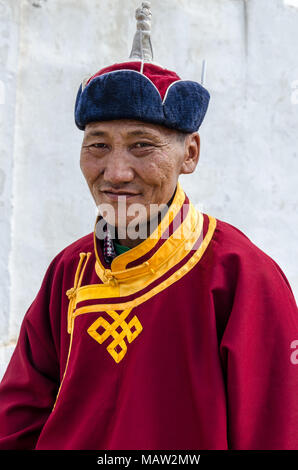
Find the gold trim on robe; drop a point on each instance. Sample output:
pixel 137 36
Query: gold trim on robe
pixel 120 282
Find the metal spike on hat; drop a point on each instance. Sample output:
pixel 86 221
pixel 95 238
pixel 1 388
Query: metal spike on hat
pixel 142 47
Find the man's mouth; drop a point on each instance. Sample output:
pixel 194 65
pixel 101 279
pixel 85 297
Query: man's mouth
pixel 119 195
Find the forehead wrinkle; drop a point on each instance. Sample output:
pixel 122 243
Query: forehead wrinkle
pixel 142 132
pixel 135 129
pixel 124 133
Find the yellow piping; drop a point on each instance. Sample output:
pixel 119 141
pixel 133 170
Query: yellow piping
pixel 72 293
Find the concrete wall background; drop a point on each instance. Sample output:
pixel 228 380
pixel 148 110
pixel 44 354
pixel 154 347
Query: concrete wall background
pixel 247 174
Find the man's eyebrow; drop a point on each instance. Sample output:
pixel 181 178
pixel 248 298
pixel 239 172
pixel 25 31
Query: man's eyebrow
pixel 142 133
pixel 96 134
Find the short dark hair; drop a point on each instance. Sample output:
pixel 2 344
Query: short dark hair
pixel 181 136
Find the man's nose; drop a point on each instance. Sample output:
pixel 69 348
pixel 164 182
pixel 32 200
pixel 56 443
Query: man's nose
pixel 118 169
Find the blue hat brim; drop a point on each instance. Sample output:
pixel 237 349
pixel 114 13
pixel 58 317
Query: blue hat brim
pixel 128 94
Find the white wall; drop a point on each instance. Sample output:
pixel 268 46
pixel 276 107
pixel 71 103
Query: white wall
pixel 247 174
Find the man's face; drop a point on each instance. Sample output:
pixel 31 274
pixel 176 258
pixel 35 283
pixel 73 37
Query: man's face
pixel 128 163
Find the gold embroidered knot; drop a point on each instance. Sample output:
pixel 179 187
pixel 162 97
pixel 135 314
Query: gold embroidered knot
pixel 129 330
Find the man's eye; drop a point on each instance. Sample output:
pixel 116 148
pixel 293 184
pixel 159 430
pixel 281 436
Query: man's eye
pixel 98 146
pixel 143 145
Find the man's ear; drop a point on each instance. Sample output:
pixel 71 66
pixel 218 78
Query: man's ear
pixel 192 153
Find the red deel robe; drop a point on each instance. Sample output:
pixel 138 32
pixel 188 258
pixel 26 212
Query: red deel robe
pixel 182 343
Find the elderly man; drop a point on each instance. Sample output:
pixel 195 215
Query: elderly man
pixel 165 328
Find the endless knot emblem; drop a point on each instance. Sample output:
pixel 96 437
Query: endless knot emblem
pixel 117 348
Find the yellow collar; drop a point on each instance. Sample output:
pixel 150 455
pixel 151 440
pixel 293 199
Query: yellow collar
pixel 147 269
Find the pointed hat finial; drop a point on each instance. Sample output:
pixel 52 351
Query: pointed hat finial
pixel 141 47
pixel 141 89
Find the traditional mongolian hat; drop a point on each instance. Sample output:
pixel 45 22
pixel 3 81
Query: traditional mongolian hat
pixel 140 89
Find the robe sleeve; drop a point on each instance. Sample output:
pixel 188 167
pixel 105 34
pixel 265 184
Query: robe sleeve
pixel 257 356
pixel 30 383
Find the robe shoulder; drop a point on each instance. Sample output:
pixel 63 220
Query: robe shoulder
pixel 231 240
pixel 242 278
pixel 232 246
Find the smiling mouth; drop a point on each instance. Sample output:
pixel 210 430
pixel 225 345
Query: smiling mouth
pixel 119 194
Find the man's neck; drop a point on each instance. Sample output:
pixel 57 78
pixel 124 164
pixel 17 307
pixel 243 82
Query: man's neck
pixel 147 228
